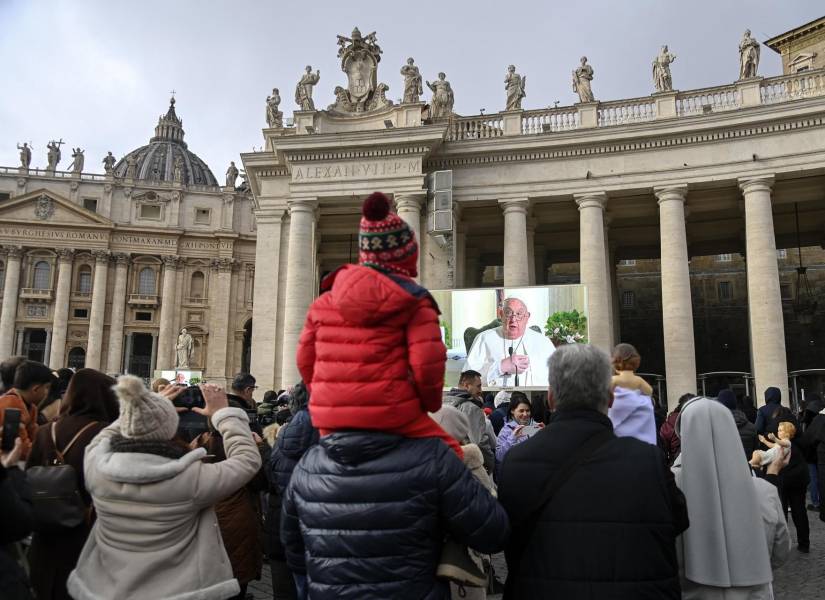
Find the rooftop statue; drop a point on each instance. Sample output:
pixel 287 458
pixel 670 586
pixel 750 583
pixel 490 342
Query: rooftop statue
pixel 131 167
pixel 274 117
pixel 662 80
pixel 514 86
pixel 109 162
pixel 582 77
pixel 748 56
pixel 360 55
pixel 303 91
pixel 25 155
pixel 441 105
pixel 412 82
pixel 232 175
pixel 78 160
pixel 54 154
pixel 177 172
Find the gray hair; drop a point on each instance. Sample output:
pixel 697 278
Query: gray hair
pixel 580 377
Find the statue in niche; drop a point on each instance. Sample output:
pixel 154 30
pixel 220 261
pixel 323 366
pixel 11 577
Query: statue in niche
pixel 360 56
pixel 54 154
pixel 231 175
pixel 25 155
pixel 514 86
pixel 412 82
pixel 109 163
pixel 441 105
pixel 183 349
pixel 662 80
pixel 177 171
pixel 131 167
pixel 274 117
pixel 303 91
pixel 78 159
pixel 748 56
pixel 582 77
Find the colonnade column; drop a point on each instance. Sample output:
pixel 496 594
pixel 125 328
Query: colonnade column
pixel 516 257
pixel 114 360
pixel 167 335
pixel 770 367
pixel 11 289
pixel 408 207
pixel 677 308
pixel 220 290
pixel 299 282
pixel 94 348
pixel 593 268
pixel 56 357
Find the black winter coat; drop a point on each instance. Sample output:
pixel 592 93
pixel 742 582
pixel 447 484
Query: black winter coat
pixel 372 509
pixel 296 437
pixel 747 433
pixel 15 524
pixel 609 532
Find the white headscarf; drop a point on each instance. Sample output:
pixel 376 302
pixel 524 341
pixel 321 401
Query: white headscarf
pixel 725 544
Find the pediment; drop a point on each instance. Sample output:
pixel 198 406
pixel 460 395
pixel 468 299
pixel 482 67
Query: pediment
pixel 44 207
pixel 801 58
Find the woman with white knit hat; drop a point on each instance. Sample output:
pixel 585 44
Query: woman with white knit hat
pixel 156 534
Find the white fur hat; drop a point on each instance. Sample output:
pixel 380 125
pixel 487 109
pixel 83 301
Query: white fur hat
pixel 144 415
pixel 502 397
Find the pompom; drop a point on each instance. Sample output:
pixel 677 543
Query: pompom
pixel 376 207
pixel 130 389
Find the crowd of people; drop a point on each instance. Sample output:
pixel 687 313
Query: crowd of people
pixel 368 480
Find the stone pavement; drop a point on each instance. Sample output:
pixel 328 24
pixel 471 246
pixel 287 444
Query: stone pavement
pixel 801 578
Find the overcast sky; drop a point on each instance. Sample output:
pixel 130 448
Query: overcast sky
pixel 98 73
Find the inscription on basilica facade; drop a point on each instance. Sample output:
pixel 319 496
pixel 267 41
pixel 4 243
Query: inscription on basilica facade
pixel 349 171
pixel 52 234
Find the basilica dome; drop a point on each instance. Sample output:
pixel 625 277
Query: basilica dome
pixel 156 161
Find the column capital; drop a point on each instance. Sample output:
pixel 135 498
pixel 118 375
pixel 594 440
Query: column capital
pixel 171 261
pixel 305 205
pixel 13 251
pixel 120 258
pixel 591 200
pixel 515 205
pixel 756 184
pixel 101 256
pixel 667 193
pixel 409 202
pixel 65 254
pixel 223 265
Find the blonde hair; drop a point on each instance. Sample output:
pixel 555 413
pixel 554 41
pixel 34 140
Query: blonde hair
pixel 157 383
pixel 790 427
pixel 271 434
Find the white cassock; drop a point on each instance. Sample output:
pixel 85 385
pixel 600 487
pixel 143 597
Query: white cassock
pixel 491 347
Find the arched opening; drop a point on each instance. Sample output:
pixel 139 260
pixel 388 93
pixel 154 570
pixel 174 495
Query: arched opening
pixel 246 354
pixel 77 358
pixel 196 285
pixel 34 344
pixel 146 282
pixel 42 272
pixel 84 280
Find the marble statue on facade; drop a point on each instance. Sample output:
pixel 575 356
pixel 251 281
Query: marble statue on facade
pixel 177 170
pixel 232 175
pixel 662 80
pixel 183 349
pixel 441 105
pixel 303 91
pixel 109 163
pixel 748 56
pixel 54 154
pixel 582 77
pixel 274 117
pixel 514 85
pixel 25 155
pixel 131 167
pixel 413 87
pixel 78 160
pixel 360 55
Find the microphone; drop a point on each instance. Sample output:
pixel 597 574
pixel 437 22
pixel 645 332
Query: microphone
pixel 510 352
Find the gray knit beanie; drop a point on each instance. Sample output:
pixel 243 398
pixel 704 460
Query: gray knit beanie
pixel 144 415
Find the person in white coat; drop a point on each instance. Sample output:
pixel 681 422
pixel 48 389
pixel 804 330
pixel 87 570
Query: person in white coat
pixel 156 534
pixel 738 533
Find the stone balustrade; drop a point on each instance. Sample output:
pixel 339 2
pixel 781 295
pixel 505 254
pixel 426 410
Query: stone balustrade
pixel 625 112
pixel 715 99
pixel 549 119
pixel 807 84
pixel 474 128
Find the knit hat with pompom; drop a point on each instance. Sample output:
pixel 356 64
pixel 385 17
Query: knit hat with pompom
pixel 144 415
pixel 385 240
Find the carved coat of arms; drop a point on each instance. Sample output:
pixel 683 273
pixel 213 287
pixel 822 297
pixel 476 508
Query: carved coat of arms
pixel 360 56
pixel 44 208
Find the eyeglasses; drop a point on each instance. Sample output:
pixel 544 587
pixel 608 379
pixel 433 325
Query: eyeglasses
pixel 518 316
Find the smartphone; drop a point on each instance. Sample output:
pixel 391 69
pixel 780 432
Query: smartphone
pixel 11 428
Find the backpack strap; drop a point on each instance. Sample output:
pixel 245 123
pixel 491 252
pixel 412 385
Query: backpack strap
pixel 61 453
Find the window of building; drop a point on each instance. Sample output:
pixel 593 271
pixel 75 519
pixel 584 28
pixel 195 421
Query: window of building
pixel 628 299
pixel 81 313
pixel 724 257
pixel 781 253
pixel 90 204
pixel 146 281
pixel 4 196
pixel 196 286
pixel 42 275
pixel 143 316
pixel 725 290
pixel 203 216
pixel 801 69
pixel 786 291
pixel 631 262
pixel 84 280
pixel 150 211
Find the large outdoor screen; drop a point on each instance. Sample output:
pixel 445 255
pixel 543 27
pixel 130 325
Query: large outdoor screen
pixel 508 334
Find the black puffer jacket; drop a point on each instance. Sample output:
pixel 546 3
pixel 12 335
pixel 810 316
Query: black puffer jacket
pixel 293 441
pixel 747 432
pixel 372 509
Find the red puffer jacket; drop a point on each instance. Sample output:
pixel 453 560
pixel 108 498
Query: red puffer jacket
pixel 371 355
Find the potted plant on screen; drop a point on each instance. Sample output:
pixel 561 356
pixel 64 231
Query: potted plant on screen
pixel 566 327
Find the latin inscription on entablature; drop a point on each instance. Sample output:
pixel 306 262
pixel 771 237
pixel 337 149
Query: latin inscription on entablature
pixel 36 233
pixel 128 239
pixel 348 171
pixel 206 245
